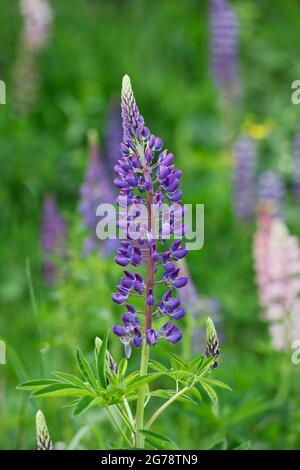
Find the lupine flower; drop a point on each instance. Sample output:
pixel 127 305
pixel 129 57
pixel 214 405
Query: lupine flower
pixel 42 434
pixel 297 164
pixel 224 46
pixel 37 18
pixel 96 189
pixel 244 152
pixel 147 181
pixel 113 135
pixel 212 347
pixel 271 192
pixel 53 238
pixel 277 265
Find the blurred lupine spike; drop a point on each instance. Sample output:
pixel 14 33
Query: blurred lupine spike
pixel 96 189
pixel 244 152
pixel 212 347
pixel 42 433
pixel 136 173
pixel 277 266
pixel 271 193
pixel 113 135
pixel 297 164
pixel 224 47
pixel 53 239
pixel 37 18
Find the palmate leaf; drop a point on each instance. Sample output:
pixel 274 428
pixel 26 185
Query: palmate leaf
pixel 154 365
pixel 70 379
pixel 85 369
pixel 101 362
pixel 33 385
pixel 209 390
pixel 60 390
pixel 83 404
pixel 178 363
pixel 170 393
pixel 218 383
pixel 142 380
pixel 158 440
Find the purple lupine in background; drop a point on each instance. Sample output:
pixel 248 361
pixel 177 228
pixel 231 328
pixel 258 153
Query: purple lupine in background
pixel 271 193
pixel 297 164
pixel 146 181
pixel 197 305
pixel 96 189
pixel 224 47
pixel 37 18
pixel 244 152
pixel 53 239
pixel 113 135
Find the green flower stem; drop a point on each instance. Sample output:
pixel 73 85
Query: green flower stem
pixel 165 406
pixel 140 406
pixel 118 426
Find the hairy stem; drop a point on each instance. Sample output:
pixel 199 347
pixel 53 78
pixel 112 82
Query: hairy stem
pixel 140 440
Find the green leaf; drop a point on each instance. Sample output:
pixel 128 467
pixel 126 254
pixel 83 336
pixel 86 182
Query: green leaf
pixel 142 380
pixel 71 379
pixel 197 361
pixel 205 366
pixel 86 369
pixel 209 390
pixel 219 445
pixel 158 440
pixel 60 390
pixel 244 446
pixel 123 367
pixel 83 404
pixel 101 361
pixel 218 383
pixel 195 393
pixel 178 363
pixel 157 366
pixel 36 384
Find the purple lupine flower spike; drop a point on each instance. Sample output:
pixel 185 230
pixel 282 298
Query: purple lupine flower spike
pixel 147 178
pixel 297 164
pixel 244 152
pixel 212 347
pixel 271 193
pixel 96 189
pixel 113 135
pixel 53 239
pixel 224 47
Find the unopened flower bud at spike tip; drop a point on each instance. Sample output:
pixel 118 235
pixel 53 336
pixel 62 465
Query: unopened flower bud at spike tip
pixel 212 347
pixel 42 433
pixel 126 85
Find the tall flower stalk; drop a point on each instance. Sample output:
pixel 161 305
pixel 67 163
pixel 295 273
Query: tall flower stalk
pixel 144 179
pixel 271 193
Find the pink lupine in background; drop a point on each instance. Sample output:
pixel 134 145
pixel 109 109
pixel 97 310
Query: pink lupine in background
pixel 277 266
pixel 297 164
pixel 37 17
pixel 53 239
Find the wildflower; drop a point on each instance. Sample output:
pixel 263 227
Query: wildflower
pixel 42 434
pixel 145 183
pixel 212 348
pixel 224 47
pixel 271 193
pixel 244 177
pixel 53 238
pixel 95 189
pixel 297 164
pixel 277 266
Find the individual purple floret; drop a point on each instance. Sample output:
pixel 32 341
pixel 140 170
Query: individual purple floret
pixel 53 238
pixel 113 135
pixel 224 46
pixel 297 164
pixel 244 152
pixel 147 178
pixel 271 192
pixel 96 189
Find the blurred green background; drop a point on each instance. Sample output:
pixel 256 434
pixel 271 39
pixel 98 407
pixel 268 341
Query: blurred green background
pixel 163 46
